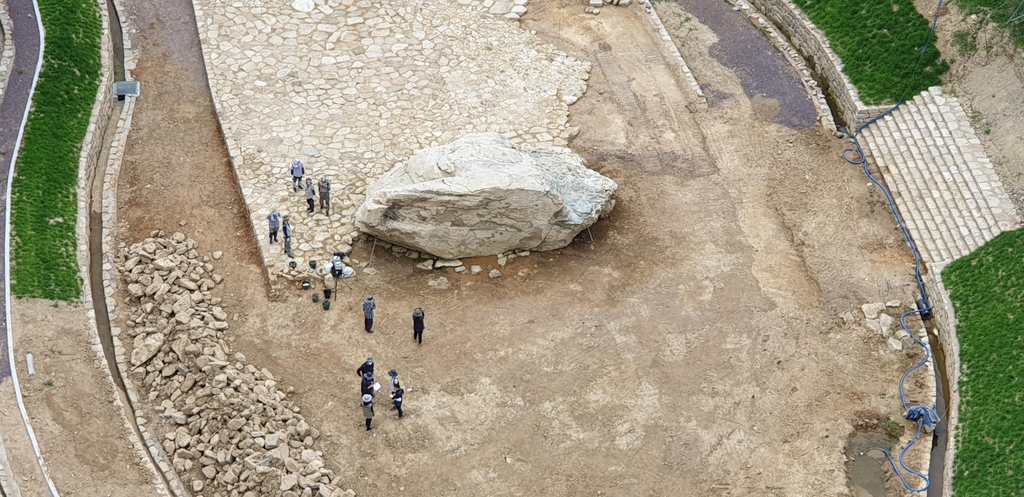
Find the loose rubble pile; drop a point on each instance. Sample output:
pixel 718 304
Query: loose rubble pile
pixel 594 6
pixel 230 430
pixel 879 321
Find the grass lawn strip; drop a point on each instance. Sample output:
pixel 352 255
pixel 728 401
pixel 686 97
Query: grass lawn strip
pixel 987 290
pixel 1007 14
pixel 879 42
pixel 44 201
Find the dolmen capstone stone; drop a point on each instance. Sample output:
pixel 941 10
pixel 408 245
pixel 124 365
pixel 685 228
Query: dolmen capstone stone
pixel 482 195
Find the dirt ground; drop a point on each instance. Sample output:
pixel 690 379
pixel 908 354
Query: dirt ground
pixel 990 84
pixel 693 348
pixel 70 404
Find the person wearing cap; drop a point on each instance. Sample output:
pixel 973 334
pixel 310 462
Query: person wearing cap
pixel 368 306
pixel 298 171
pixel 310 196
pixel 367 367
pixel 417 325
pixel 368 410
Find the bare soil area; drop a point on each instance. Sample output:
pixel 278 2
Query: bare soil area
pixel 70 402
pixel 693 348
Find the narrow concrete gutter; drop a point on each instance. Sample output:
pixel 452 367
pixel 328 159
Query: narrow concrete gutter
pixel 7 259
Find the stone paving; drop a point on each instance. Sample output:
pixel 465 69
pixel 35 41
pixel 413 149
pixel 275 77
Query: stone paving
pixel 945 186
pixel 354 87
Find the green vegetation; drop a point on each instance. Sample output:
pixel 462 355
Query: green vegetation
pixel 1004 13
pixel 965 42
pixel 987 290
pixel 44 200
pixel 880 43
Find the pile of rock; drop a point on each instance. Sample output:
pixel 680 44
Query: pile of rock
pixel 429 262
pixel 228 427
pixel 879 321
pixel 594 6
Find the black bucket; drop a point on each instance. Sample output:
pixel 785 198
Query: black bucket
pixel 327 293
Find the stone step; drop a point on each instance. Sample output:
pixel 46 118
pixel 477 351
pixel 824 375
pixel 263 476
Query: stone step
pixel 944 185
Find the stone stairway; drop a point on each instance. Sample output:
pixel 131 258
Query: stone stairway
pixel 944 185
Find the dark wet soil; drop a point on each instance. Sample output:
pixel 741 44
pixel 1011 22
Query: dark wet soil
pixel 763 71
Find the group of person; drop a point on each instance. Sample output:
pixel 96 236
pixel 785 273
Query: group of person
pixel 277 222
pixel 369 388
pixel 370 305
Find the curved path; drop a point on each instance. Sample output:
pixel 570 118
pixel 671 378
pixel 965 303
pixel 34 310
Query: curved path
pixel 26 36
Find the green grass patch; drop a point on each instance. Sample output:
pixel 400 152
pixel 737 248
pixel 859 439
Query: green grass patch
pixel 1004 13
pixel 987 290
pixel 965 42
pixel 44 200
pixel 880 43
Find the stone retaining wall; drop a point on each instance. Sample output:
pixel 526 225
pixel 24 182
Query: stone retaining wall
pixel 815 48
pixel 942 313
pixel 7 57
pixel 673 51
pixel 92 149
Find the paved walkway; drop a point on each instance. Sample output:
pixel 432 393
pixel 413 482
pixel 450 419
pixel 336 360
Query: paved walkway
pixel 354 90
pixel 945 186
pixel 12 110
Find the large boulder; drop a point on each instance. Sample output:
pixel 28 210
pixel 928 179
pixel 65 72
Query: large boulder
pixel 482 195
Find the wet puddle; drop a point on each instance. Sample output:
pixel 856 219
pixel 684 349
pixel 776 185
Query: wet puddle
pixel 867 475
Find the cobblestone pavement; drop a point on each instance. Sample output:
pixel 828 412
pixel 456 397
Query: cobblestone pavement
pixel 353 88
pixel 945 186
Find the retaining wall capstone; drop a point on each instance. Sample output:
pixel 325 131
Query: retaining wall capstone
pixel 815 48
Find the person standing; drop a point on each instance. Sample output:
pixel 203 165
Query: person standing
pixel 298 171
pixel 366 387
pixel 397 399
pixel 286 228
pixel 368 410
pixel 417 325
pixel 368 306
pixel 367 367
pixel 325 195
pixel 310 196
pixel 274 220
pixel 395 384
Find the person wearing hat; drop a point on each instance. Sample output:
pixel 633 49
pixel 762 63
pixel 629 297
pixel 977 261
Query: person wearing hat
pixel 310 196
pixel 368 410
pixel 367 367
pixel 417 325
pixel 395 384
pixel 298 171
pixel 368 306
pixel 286 229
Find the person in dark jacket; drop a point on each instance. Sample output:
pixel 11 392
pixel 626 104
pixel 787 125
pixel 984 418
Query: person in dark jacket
pixel 274 224
pixel 417 325
pixel 397 399
pixel 286 228
pixel 368 306
pixel 367 367
pixel 298 171
pixel 368 411
pixel 395 384
pixel 310 196
pixel 366 388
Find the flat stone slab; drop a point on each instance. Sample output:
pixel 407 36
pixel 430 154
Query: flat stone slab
pixel 352 88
